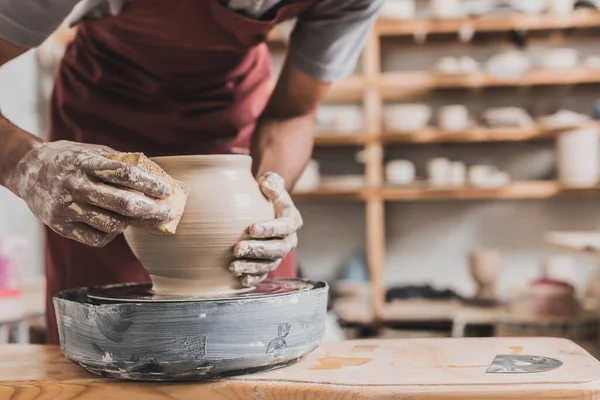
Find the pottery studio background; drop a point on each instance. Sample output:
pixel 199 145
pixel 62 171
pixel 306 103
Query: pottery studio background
pixel 468 126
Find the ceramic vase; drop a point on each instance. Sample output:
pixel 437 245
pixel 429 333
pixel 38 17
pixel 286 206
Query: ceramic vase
pixel 224 200
pixel 485 266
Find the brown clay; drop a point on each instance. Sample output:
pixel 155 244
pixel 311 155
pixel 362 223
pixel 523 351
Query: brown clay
pixel 224 200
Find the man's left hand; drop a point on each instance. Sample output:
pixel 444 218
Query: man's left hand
pixel 269 241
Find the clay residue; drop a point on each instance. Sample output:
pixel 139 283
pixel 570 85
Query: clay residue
pixel 516 349
pixel 329 363
pixel 364 347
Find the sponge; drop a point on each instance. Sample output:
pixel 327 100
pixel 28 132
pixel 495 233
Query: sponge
pixel 177 199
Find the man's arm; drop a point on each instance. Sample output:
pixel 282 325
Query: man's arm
pixel 284 136
pixel 15 141
pixel 325 46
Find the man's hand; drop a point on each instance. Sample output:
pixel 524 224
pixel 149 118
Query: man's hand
pixel 269 241
pixel 84 196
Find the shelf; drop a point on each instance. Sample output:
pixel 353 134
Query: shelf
pixel 499 23
pixel 399 85
pixel 514 191
pixel 526 190
pixel 390 27
pixel 474 135
pixel 331 193
pixel 586 243
pixel 333 139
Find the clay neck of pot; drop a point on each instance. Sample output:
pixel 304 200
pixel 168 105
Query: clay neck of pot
pixel 221 161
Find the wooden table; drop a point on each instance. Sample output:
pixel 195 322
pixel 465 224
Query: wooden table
pixel 416 369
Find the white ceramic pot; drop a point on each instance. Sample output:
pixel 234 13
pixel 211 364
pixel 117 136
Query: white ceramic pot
pixel 400 172
pixel 481 175
pixel 458 174
pixel 438 171
pixel 224 201
pixel 578 158
pixel 406 117
pixel 453 118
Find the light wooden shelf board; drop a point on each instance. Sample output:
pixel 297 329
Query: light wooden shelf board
pixel 583 243
pixel 578 19
pixel 389 27
pixel 329 192
pixel 333 139
pixel 400 85
pixel 514 191
pixel 474 135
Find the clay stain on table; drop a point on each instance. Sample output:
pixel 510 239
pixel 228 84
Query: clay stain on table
pixel 516 349
pixel 364 347
pixel 329 363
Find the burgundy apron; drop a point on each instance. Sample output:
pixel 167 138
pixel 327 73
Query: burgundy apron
pixel 164 78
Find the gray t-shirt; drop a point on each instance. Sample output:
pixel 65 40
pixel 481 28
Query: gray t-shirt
pixel 325 43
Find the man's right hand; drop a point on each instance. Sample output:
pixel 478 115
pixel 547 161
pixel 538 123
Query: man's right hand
pixel 84 196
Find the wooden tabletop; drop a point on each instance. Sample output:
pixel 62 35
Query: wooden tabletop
pixel 431 369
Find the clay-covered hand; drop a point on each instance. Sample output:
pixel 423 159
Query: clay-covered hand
pixel 269 241
pixel 84 196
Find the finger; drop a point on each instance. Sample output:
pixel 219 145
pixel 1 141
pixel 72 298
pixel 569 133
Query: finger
pixel 124 174
pixel 265 249
pixel 84 234
pixel 279 227
pixel 122 202
pixel 253 267
pixel 102 220
pixel 273 187
pixel 251 280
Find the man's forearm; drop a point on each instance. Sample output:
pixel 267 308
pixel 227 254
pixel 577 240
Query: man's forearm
pixel 14 144
pixel 283 146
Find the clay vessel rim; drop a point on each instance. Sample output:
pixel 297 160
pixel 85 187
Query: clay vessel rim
pixel 204 158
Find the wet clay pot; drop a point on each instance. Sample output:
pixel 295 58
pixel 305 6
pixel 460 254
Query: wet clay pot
pixel 224 200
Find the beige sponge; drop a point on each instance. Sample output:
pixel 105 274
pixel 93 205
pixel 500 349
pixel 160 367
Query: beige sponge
pixel 177 199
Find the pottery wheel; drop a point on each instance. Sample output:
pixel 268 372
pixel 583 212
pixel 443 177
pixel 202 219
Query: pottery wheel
pixel 143 292
pixel 127 332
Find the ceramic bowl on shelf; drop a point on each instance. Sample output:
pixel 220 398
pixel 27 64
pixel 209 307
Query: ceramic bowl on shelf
pixel 342 181
pixel 508 66
pixel 464 65
pixel 563 119
pixel 507 117
pixel 563 58
pixel 406 117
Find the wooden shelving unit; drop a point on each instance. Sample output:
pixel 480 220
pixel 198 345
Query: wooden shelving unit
pixel 373 88
pixel 478 134
pixel 527 190
pixel 578 19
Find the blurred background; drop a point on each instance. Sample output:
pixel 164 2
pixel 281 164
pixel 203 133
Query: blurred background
pixel 454 184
